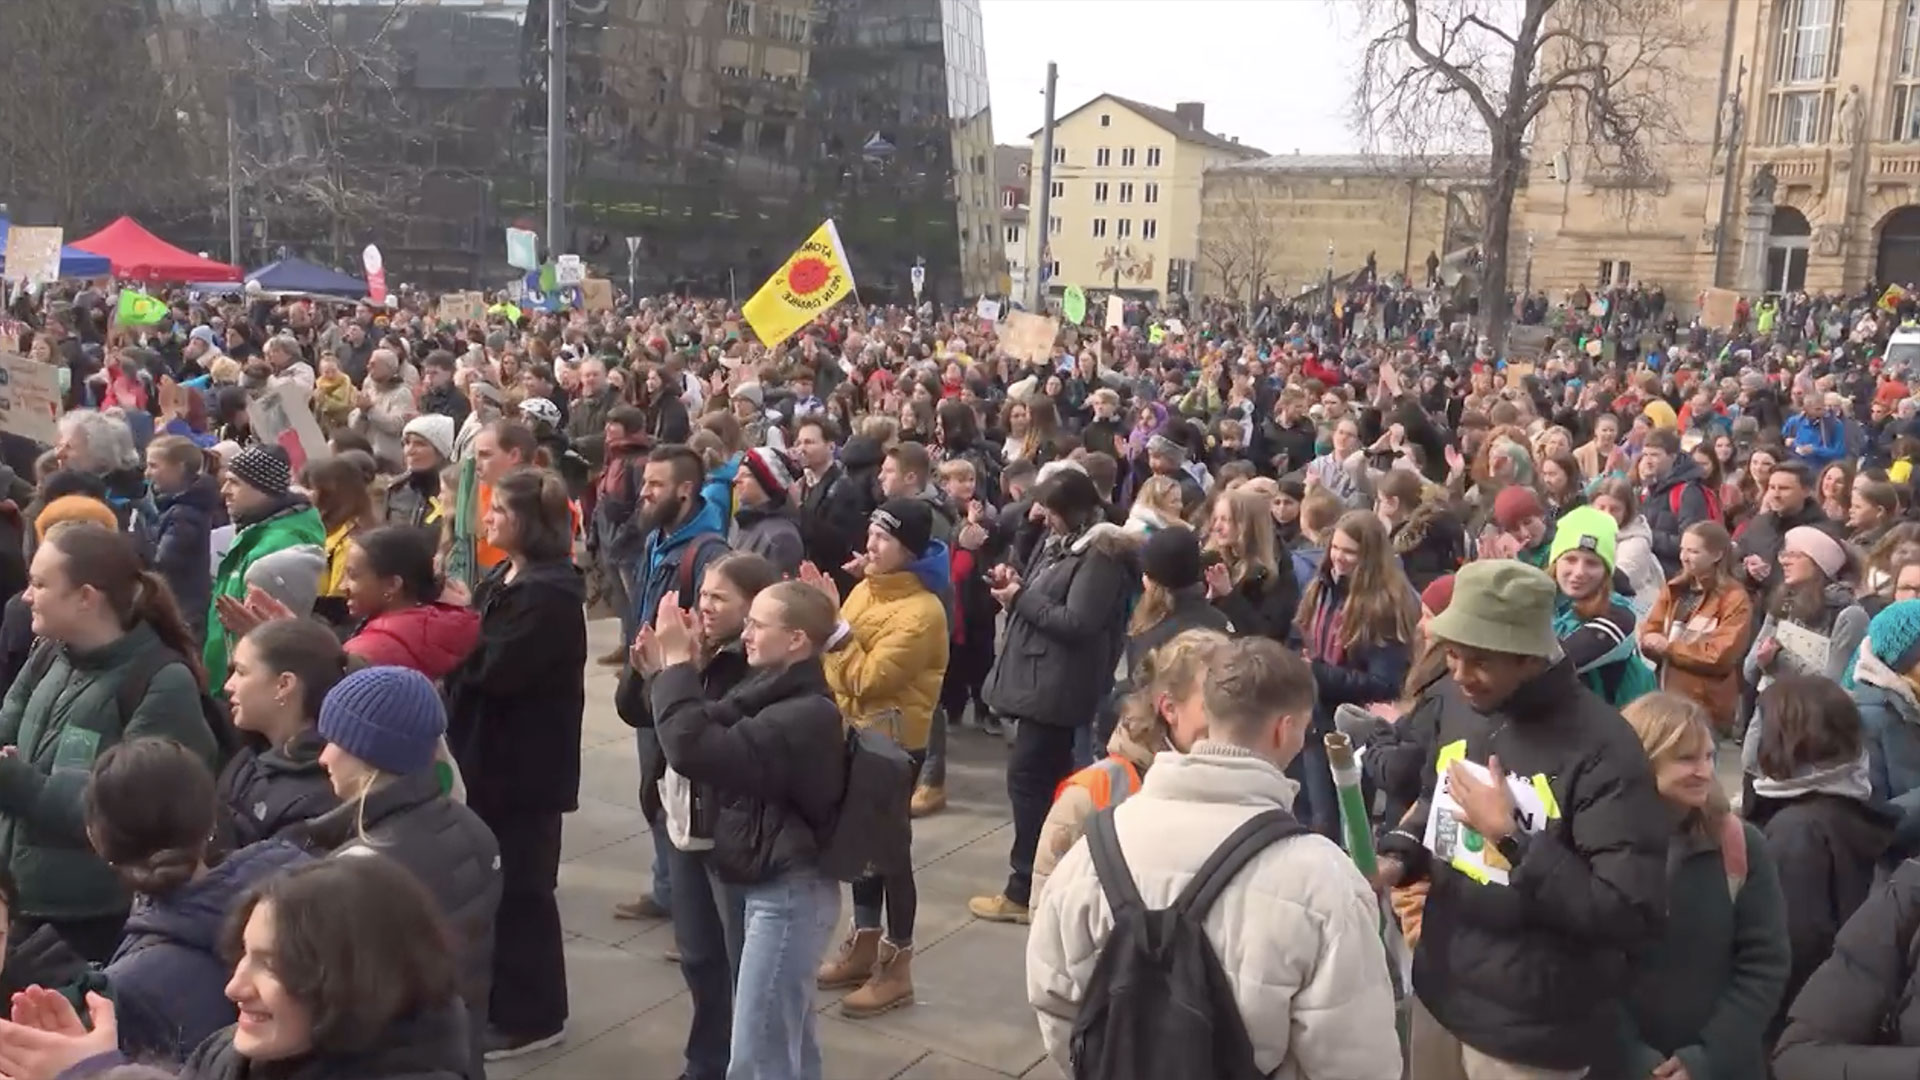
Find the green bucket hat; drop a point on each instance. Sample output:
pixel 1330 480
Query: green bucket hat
pixel 1500 605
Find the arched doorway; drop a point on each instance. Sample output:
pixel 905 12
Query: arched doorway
pixel 1899 259
pixel 1787 250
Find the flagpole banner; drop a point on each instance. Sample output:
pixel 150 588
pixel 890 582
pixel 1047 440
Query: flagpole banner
pixel 139 309
pixel 33 254
pixel 523 249
pixel 814 278
pixel 29 399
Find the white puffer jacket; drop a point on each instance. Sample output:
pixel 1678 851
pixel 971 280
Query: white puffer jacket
pixel 1297 932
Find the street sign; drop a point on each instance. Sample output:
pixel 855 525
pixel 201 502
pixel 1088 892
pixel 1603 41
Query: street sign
pixel 633 247
pixel 919 277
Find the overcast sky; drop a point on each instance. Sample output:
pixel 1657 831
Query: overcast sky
pixel 1273 72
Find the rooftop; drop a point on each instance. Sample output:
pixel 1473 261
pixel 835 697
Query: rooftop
pixel 1460 166
pixel 1174 123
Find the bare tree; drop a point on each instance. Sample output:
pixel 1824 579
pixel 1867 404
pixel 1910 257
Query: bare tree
pixel 1476 74
pixel 92 127
pixel 1237 240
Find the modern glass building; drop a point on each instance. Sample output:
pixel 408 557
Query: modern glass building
pixel 717 133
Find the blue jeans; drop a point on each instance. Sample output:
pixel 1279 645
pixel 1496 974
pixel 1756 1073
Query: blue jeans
pixel 789 923
pixel 1318 806
pixel 648 745
pixel 706 930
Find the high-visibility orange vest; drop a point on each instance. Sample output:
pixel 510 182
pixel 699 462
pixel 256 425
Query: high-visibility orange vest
pixel 1109 781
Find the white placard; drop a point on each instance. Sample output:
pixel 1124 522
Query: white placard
pixel 569 270
pixel 29 399
pixel 33 254
pixel 987 310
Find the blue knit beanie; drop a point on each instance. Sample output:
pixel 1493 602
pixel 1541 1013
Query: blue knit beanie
pixel 389 717
pixel 1894 635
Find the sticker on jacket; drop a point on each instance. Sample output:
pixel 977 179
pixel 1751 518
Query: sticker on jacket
pixel 1458 844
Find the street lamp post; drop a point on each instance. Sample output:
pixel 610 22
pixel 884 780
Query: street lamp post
pixel 1329 276
pixel 1526 287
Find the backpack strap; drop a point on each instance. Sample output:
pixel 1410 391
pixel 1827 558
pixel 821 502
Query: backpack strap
pixel 1255 835
pixel 1110 865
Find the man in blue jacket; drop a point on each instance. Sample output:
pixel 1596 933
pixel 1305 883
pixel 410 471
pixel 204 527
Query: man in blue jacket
pixel 1817 434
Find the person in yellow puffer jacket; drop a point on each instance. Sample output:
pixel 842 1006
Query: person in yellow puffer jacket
pixel 885 665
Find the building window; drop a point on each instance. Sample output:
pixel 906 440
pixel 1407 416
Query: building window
pixel 1100 192
pixel 1126 192
pixel 1149 228
pixel 1905 124
pixel 1805 55
pixel 1053 226
pixel 1053 268
pixel 1153 157
pixel 1010 199
pixel 1058 189
pixel 1150 192
pixel 1099 227
pixel 1102 157
pixel 1125 229
pixel 1013 234
pixel 1106 119
pixel 739 17
pixel 1059 155
pixel 1615 273
pixel 1126 157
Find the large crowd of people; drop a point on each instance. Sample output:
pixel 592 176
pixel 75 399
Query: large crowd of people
pixel 289 730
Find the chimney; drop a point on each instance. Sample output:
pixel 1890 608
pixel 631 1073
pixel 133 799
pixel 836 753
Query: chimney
pixel 1193 114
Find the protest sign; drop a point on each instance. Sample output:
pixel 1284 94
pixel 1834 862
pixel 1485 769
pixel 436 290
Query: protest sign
pixel 29 399
pixel 1717 308
pixel 597 294
pixel 1116 313
pixel 1073 304
pixel 461 308
pixel 1029 336
pixel 987 310
pixel 1517 372
pixel 523 249
pixel 33 254
pixel 1527 342
pixel 282 416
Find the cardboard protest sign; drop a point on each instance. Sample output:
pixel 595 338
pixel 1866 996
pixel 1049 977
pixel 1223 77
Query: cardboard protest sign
pixel 597 294
pixel 29 399
pixel 1517 372
pixel 461 308
pixel 1029 337
pixel 282 416
pixel 1717 308
pixel 33 254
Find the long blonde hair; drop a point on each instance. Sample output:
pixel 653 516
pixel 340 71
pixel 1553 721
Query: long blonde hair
pixel 1670 725
pixel 1380 605
pixel 1253 541
pixel 1173 669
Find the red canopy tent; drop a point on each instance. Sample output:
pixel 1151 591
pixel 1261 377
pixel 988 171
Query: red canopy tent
pixel 138 255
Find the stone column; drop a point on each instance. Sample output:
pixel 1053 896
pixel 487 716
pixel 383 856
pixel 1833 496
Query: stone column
pixel 1755 226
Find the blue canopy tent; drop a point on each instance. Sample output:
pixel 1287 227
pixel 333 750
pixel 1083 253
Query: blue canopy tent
pixel 74 263
pixel 291 275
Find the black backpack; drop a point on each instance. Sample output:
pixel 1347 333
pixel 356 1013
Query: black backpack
pixel 1159 1006
pixel 871 832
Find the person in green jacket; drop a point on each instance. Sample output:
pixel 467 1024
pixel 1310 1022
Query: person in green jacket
pixel 267 517
pixel 103 622
pixel 1700 998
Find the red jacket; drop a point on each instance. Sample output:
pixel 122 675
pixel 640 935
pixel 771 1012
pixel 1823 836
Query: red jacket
pixel 429 638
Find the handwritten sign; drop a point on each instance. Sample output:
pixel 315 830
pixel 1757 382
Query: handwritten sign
pixel 987 310
pixel 1029 337
pixel 461 308
pixel 29 399
pixel 596 294
pixel 33 254
pixel 282 416
pixel 1718 307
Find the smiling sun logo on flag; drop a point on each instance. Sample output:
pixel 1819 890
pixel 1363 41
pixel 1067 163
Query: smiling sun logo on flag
pixel 808 275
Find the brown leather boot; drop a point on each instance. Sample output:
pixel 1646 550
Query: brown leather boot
pixel 851 966
pixel 889 987
pixel 927 799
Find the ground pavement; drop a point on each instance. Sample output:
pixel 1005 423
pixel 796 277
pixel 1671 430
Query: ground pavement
pixel 630 1007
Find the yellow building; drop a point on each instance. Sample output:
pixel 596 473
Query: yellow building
pixel 1796 163
pixel 1125 201
pixel 1283 222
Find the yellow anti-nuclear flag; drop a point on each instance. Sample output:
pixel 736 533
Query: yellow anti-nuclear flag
pixel 814 279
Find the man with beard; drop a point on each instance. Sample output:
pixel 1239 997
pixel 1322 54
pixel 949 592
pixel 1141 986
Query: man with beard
pixel 684 532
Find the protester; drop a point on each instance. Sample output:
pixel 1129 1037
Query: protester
pixel 764 523
pixel 781 767
pixel 268 517
pixel 1888 696
pixel 188 504
pixel 1696 635
pixel 282 671
pixel 1595 624
pixel 515 707
pixel 393 597
pixel 1586 881
pixel 1300 925
pixel 1244 578
pixel 414 497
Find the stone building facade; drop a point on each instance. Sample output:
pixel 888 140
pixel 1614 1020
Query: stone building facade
pixel 1796 163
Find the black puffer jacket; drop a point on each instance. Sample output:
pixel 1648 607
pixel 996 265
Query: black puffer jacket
pixel 1765 535
pixel 1190 611
pixel 774 749
pixel 516 703
pixel 1531 972
pixel 1858 1016
pixel 1263 604
pixel 432 1045
pixel 181 552
pixel 1663 521
pixel 263 792
pixel 442 843
pixel 1065 630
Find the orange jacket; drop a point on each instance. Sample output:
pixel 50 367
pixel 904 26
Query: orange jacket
pixel 1703 655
